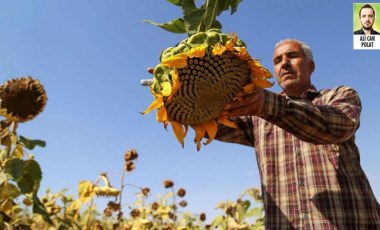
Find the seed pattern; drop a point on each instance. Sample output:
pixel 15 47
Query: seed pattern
pixel 207 83
pixel 22 99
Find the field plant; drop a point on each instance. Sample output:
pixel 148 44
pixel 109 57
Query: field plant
pixel 21 207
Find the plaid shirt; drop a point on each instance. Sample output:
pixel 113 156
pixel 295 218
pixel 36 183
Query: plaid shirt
pixel 308 161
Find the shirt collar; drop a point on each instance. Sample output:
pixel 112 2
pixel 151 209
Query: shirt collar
pixel 309 94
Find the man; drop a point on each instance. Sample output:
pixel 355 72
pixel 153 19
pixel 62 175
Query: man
pixel 305 145
pixel 367 18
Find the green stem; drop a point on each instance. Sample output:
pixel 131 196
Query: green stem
pixel 119 216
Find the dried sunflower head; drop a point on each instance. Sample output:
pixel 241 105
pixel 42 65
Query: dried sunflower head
pixel 22 99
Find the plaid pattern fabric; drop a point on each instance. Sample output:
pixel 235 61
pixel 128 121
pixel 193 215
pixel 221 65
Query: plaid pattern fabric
pixel 308 161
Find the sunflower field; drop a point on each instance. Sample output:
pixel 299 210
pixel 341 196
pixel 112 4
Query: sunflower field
pixel 190 85
pixel 22 206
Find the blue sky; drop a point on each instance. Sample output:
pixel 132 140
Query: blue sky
pixel 91 55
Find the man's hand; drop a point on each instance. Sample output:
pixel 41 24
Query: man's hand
pixel 246 104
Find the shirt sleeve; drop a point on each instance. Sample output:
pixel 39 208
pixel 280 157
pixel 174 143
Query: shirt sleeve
pixel 241 135
pixel 331 118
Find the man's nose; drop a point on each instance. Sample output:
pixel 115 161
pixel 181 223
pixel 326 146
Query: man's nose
pixel 285 62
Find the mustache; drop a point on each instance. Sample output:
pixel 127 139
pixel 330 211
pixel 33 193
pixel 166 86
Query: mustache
pixel 287 69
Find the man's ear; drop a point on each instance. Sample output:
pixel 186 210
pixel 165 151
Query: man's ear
pixel 311 66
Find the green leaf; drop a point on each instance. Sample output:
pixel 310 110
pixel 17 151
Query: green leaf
pixel 33 168
pixel 230 4
pixel 30 144
pixel 193 17
pixel 14 167
pixel 212 9
pixel 26 183
pixel 217 221
pixel 242 209
pixel 174 26
pixel 254 212
pixel 39 208
pixel 9 191
pixel 3 177
pixel 175 2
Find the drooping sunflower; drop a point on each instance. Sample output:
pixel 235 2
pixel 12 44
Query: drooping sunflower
pixel 22 99
pixel 195 78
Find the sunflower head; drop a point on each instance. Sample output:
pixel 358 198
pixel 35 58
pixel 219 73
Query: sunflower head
pixel 198 76
pixel 22 99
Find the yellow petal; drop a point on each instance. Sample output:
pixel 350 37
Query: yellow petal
pixel 249 87
pixel 242 53
pixel 262 83
pixel 258 71
pixel 175 84
pixel 224 120
pixel 161 115
pixel 200 132
pixel 156 104
pixel 218 49
pixel 198 51
pixel 230 45
pixel 166 88
pixel 177 61
pixel 179 132
pixel 211 129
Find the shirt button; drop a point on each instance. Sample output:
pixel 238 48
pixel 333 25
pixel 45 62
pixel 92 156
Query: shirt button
pixel 298 154
pixel 302 183
pixel 305 216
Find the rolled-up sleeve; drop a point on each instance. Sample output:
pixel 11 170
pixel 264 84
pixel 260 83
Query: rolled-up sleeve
pixel 241 135
pixel 331 118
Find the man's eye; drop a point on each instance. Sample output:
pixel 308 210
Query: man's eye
pixel 276 61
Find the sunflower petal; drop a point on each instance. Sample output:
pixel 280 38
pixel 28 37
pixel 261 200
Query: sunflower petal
pixel 162 115
pixel 200 132
pixel 166 88
pixel 175 84
pixel 211 128
pixel 179 132
pixel 249 87
pixel 177 61
pixel 156 104
pixel 242 53
pixel 224 120
pixel 263 83
pixel 218 49
pixel 198 51
pixel 230 45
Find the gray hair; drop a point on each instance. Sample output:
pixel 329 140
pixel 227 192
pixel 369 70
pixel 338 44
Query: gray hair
pixel 305 47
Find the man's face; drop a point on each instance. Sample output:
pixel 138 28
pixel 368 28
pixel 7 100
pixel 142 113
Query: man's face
pixel 367 18
pixel 292 68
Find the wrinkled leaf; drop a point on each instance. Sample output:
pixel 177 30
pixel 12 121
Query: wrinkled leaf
pixel 254 212
pixel 85 191
pixel 242 209
pixel 26 183
pixel 14 167
pixel 254 193
pixel 18 152
pixel 175 26
pixel 39 208
pixel 9 191
pixel 175 2
pixel 230 4
pixel 212 9
pixel 3 177
pixel 217 221
pixel 33 168
pixel 30 144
